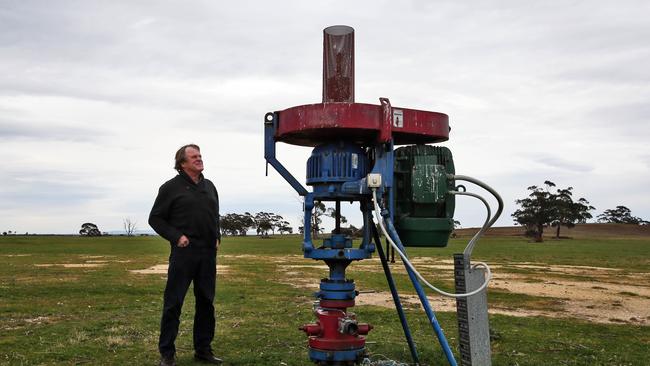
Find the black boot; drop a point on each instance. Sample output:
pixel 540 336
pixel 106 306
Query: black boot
pixel 167 361
pixel 207 357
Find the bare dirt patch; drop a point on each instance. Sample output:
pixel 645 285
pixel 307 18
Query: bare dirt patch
pixel 596 294
pixel 71 265
pixel 599 301
pixel 89 261
pixel 264 258
pixel 385 299
pixel 13 323
pixel 162 269
pixel 37 320
pixel 45 279
pixel 16 255
pixel 299 279
pixel 579 231
pixel 157 269
pixel 317 266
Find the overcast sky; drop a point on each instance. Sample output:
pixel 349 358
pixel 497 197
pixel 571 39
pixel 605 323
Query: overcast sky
pixel 96 96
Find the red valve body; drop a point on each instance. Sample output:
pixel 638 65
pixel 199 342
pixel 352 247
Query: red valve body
pixel 326 333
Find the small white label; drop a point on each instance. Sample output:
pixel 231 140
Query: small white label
pixel 374 180
pixel 398 118
pixel 355 161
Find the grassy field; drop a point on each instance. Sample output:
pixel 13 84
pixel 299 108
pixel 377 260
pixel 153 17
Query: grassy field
pixel 74 301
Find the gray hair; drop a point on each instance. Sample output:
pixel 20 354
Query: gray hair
pixel 180 157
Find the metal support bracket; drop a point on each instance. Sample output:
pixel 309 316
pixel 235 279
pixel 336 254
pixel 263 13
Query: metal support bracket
pixel 270 126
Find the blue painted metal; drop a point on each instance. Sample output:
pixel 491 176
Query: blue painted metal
pixel 396 300
pixel 337 241
pixel 383 154
pixel 367 219
pixel 337 356
pixel 330 171
pixel 351 141
pixel 391 189
pixel 307 245
pixel 332 295
pixel 421 294
pixel 342 254
pixel 336 163
pixel 346 291
pixel 270 126
pixel 359 187
pixel 336 286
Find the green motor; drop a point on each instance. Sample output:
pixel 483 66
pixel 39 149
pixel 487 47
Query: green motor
pixel 424 211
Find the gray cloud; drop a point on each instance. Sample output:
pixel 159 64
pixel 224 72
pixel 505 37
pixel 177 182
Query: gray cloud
pixel 646 159
pixel 633 114
pixel 10 130
pixel 626 71
pixel 563 164
pixel 165 41
pixel 567 79
pixel 39 189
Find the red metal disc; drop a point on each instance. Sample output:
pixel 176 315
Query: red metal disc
pixel 329 344
pixel 338 304
pixel 314 124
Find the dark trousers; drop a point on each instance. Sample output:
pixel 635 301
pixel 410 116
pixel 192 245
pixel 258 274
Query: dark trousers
pixel 186 265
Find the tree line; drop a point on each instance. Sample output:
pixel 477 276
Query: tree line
pixel 555 207
pixel 321 211
pixel 261 222
pixel 265 222
pixel 545 206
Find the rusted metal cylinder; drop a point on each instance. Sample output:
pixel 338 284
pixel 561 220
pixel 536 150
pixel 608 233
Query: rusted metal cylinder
pixel 338 64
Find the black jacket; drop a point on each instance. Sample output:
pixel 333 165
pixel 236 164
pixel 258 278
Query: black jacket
pixel 183 207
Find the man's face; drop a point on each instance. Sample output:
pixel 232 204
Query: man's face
pixel 193 163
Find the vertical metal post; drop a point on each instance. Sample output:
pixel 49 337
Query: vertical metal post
pixel 473 323
pixel 337 217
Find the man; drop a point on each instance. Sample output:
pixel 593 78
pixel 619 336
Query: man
pixel 186 213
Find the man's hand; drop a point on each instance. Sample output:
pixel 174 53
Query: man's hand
pixel 183 241
pixel 216 246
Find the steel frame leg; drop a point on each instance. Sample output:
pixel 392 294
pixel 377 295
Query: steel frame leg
pixel 422 295
pixel 396 300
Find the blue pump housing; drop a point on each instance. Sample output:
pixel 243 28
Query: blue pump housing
pixel 331 165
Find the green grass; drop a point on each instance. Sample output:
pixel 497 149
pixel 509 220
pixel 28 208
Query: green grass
pixel 108 316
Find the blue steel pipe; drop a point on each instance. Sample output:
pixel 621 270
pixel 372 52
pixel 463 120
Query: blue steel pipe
pixel 421 294
pixel 396 300
pixel 307 245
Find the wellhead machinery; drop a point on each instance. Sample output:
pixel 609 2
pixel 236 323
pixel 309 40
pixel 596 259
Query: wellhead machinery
pixel 382 157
